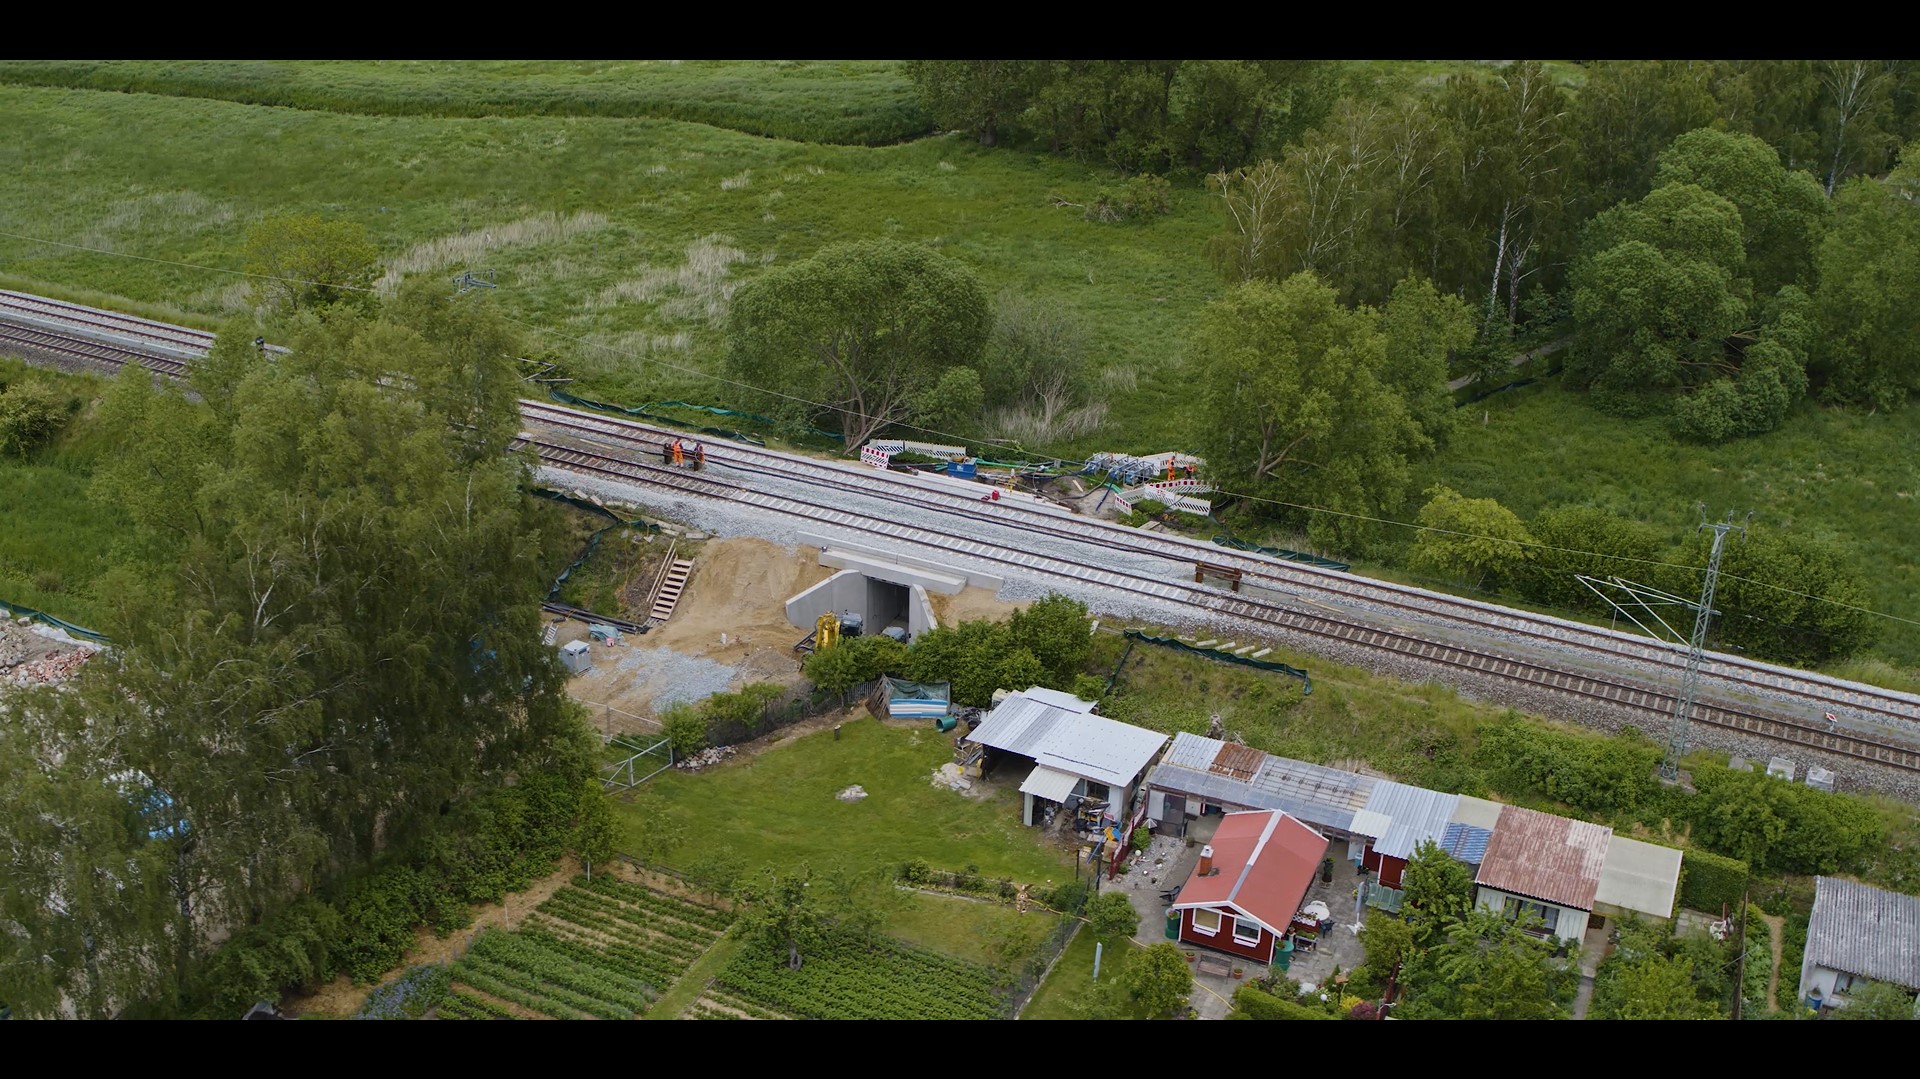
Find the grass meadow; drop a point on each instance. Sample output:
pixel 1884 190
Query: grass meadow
pixel 55 539
pixel 618 229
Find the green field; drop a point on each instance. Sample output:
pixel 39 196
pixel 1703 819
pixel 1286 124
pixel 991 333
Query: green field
pixel 628 232
pixel 1071 993
pixel 779 809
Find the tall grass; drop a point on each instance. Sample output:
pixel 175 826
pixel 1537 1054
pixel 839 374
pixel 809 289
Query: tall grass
pixel 54 537
pixel 468 247
pixel 840 102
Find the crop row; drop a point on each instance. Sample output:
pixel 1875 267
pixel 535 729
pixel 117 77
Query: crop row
pixel 719 995
pixel 654 899
pixel 665 914
pixel 590 972
pixel 471 974
pixel 655 970
pixel 573 899
pixel 617 926
pixel 701 1011
pixel 843 980
pixel 467 1006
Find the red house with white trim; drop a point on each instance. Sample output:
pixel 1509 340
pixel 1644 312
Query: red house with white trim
pixel 1249 883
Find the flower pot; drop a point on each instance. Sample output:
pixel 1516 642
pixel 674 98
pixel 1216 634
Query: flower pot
pixel 1237 972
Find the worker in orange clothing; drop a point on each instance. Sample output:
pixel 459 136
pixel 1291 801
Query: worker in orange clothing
pixel 1169 468
pixel 679 454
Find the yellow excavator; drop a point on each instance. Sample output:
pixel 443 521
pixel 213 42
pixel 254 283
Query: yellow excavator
pixel 826 631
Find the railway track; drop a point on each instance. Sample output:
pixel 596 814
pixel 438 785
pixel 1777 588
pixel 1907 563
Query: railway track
pixel 1818 693
pixel 1209 603
pixel 66 330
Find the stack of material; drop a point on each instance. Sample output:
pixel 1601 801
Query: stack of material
pixel 48 670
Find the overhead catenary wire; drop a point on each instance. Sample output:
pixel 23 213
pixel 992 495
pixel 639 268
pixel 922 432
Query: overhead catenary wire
pixel 962 439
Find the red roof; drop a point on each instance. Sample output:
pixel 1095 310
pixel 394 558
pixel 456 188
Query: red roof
pixel 1542 856
pixel 1263 862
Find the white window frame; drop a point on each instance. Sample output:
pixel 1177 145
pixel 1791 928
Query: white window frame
pixel 1200 912
pixel 1240 939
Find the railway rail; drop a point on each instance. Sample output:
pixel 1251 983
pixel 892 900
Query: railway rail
pixel 1206 602
pixel 1309 583
pixel 59 329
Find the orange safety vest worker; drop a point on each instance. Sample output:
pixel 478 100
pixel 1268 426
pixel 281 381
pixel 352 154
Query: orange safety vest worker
pixel 679 455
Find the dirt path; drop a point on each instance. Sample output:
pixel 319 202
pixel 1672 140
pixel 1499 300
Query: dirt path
pixel 341 998
pixel 1775 930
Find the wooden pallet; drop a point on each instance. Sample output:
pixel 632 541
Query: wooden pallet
pixel 671 586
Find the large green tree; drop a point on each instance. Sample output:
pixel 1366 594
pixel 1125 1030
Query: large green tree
pixel 1425 330
pixel 332 632
pixel 1057 631
pixel 857 334
pixel 1473 538
pixel 978 97
pixel 1651 987
pixel 1487 967
pixel 1781 210
pixel 302 262
pixel 1868 299
pixel 1439 892
pixel 1878 1000
pixel 1158 978
pixel 1295 404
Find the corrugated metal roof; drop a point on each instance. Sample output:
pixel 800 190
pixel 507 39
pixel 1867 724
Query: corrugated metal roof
pixel 1018 725
pixel 1639 876
pixel 1465 842
pixel 1066 702
pixel 1542 856
pixel 1237 761
pixel 1069 739
pixel 1322 797
pixel 1373 825
pixel 1044 782
pixel 1101 749
pixel 1418 815
pixel 1477 812
pixel 1871 932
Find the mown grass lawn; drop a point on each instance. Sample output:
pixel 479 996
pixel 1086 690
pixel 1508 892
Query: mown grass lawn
pixel 1071 993
pixel 967 928
pixel 778 809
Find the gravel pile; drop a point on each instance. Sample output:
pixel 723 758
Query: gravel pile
pixel 680 677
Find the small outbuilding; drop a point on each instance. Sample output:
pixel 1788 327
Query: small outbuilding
pixel 1075 753
pixel 1545 866
pixel 1249 883
pixel 1858 934
pixel 577 656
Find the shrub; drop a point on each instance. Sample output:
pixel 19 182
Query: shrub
pixel 1111 917
pixel 916 871
pixel 685 727
pixel 1251 1003
pixel 31 413
pixel 1143 196
pixel 1712 882
pixel 288 951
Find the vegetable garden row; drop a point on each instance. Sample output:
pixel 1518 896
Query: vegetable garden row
pixel 601 948
pixel 844 978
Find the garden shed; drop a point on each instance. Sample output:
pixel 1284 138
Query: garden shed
pixel 1074 752
pixel 1249 883
pixel 1858 934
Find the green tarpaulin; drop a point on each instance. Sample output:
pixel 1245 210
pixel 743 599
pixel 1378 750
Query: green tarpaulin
pixel 1283 554
pixel 81 632
pixel 1226 657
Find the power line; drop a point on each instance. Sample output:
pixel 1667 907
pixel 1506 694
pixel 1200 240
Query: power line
pixel 962 439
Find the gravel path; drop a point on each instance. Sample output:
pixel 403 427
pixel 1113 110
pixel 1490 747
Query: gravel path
pixel 680 677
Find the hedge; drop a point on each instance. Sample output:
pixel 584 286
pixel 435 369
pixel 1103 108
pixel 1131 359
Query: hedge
pixel 1251 1003
pixel 1712 882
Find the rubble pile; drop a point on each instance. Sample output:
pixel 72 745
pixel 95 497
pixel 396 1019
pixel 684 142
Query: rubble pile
pixel 706 758
pixel 29 658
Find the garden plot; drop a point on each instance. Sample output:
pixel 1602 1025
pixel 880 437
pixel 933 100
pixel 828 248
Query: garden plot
pixel 845 978
pixel 601 948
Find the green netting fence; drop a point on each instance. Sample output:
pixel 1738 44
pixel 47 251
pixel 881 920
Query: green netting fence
pixel 1283 554
pixel 81 632
pixel 593 541
pixel 1225 657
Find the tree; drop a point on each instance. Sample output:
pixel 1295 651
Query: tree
pixel 1254 198
pixel 859 330
pixel 1389 941
pixel 978 97
pixel 1787 597
pixel 1439 892
pixel 329 635
pixel 1294 403
pixel 976 657
pixel 1037 361
pixel 864 900
pixel 1111 918
pixel 1657 294
pixel 1057 631
pixel 1781 211
pixel 1868 300
pixel 305 261
pixel 1652 986
pixel 1475 538
pixel 1158 978
pixel 778 910
pixel 1487 968
pixel 1424 331
pixel 1877 1000
pixel 1619 546
pixel 1627 111
pixel 595 831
